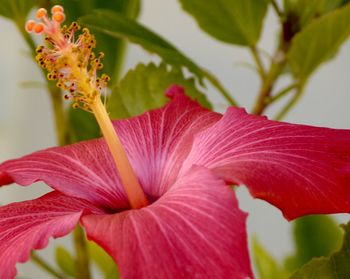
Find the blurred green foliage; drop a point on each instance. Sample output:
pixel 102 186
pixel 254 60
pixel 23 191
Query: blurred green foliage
pixel 231 21
pixel 143 88
pixel 336 266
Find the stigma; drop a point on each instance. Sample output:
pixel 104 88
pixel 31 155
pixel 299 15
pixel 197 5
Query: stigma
pixel 69 58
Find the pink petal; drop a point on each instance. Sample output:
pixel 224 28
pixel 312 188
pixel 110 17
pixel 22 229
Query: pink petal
pixel 156 143
pixel 84 170
pixel 29 225
pixel 195 230
pixel 300 169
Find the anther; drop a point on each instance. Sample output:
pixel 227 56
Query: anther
pixel 66 97
pixel 39 49
pixel 106 78
pixel 75 26
pixel 41 13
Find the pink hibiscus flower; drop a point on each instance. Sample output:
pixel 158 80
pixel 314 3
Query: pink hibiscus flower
pixel 177 216
pixel 185 158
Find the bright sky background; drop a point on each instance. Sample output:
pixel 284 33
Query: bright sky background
pixel 26 119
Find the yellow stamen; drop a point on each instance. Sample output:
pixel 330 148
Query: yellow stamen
pixel 74 65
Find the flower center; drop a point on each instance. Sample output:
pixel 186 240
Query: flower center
pixel 74 65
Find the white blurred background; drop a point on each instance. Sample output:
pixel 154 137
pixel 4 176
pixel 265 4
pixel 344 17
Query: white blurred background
pixel 26 122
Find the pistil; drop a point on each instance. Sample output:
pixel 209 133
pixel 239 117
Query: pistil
pixel 131 184
pixel 74 65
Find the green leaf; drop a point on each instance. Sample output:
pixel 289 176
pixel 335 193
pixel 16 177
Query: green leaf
pixel 314 236
pixel 318 41
pixel 336 266
pixel 16 10
pixel 118 26
pixel 231 21
pixel 103 261
pixel 144 88
pixel 267 267
pixel 82 125
pixel 65 261
pixel 113 48
pixel 304 11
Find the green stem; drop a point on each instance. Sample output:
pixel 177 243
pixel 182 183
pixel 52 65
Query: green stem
pixel 214 81
pixel 282 93
pixel 28 39
pixel 62 132
pixel 45 266
pixel 258 62
pixel 276 8
pixel 82 255
pixel 292 102
pixel 267 85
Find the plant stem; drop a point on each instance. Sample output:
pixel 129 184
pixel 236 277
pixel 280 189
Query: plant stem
pixel 62 132
pixel 276 8
pixel 82 258
pixel 292 102
pixel 28 39
pixel 277 64
pixel 214 81
pixel 282 93
pixel 45 266
pixel 268 83
pixel 258 62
